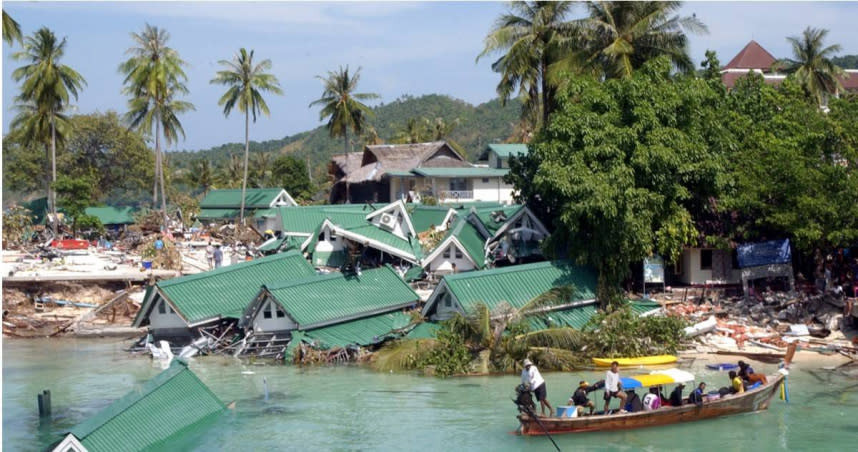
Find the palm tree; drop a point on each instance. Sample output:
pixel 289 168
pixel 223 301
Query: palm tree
pixel 414 131
pixel 343 108
pixel 46 89
pixel 532 37
pixel 201 175
pixel 812 65
pixel 11 29
pixel 246 82
pixel 153 78
pixel 442 129
pixel 619 37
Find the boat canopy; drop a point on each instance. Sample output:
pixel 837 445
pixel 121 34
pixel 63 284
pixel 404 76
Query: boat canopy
pixel 657 378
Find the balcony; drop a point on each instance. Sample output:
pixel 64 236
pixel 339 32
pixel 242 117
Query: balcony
pixel 455 195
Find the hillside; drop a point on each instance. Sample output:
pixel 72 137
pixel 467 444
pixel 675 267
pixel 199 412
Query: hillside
pixel 478 126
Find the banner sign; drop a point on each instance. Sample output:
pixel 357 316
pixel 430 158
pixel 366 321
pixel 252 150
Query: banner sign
pixel 764 253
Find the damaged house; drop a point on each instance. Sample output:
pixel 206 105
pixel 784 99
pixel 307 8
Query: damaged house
pixel 221 206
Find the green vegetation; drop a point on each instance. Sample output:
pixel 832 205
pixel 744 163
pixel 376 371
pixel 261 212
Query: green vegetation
pixel 846 61
pixel 11 30
pixel 811 64
pixel 621 333
pixel 75 194
pixel 291 174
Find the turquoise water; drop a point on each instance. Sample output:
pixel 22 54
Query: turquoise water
pixel 351 408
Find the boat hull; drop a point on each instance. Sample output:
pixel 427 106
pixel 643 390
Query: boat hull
pixel 751 401
pixel 640 361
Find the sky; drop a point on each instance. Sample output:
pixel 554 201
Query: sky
pixel 409 48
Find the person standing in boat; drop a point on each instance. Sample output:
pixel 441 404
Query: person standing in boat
pixel 614 387
pixel 532 379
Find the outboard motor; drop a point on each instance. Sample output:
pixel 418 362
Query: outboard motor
pixel 524 400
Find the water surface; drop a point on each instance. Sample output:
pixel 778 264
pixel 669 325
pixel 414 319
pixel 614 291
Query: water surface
pixel 352 408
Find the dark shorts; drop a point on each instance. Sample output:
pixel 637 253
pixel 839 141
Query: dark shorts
pixel 609 394
pixel 540 392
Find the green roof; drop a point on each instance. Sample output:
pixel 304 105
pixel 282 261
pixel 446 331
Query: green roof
pixel 38 209
pixel 365 331
pixel 226 291
pixel 422 217
pixel 370 231
pixel 305 219
pixel 337 297
pixel 425 330
pixel 490 218
pixel 476 171
pixel 517 284
pixel 254 198
pixel 508 150
pixel 170 403
pixel 472 240
pixel 218 214
pixel 578 316
pixel 112 215
pixel 287 242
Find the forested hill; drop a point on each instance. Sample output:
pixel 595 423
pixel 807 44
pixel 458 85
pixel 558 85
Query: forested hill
pixel 478 125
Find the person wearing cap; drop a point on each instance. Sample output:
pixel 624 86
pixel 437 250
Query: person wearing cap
pixel 579 398
pixel 532 380
pixel 676 395
pixel 614 387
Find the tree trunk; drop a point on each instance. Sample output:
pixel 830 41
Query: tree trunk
pixel 246 155
pixel 161 175
pixel 52 195
pixel 608 290
pixel 546 95
pixel 346 148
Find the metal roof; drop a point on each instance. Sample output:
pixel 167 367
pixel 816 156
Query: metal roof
pixel 409 249
pixel 507 150
pixel 305 219
pixel 226 291
pixel 425 330
pixel 493 218
pixel 468 238
pixel 578 316
pixel 169 403
pixel 515 285
pixel 254 198
pixel 365 331
pixel 476 171
pixel 218 214
pixel 112 215
pixel 422 217
pixel 338 297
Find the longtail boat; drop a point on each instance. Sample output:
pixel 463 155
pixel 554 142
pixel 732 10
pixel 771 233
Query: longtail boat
pixel 752 400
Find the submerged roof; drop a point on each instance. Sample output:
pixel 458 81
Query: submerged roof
pixel 255 198
pixel 365 331
pixel 112 215
pixel 338 297
pixel 149 415
pixel 578 316
pixel 515 285
pixel 226 291
pixel 752 56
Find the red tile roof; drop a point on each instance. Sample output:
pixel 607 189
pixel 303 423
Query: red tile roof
pixel 753 56
pixel 850 83
pixel 729 79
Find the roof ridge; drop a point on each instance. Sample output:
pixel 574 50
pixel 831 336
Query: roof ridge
pixel 229 268
pixel 504 270
pixel 321 278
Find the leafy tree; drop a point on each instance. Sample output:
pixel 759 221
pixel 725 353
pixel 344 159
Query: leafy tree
pixel 620 37
pixel 201 175
pixel 17 224
pixel 291 174
pixel 343 107
pixel 531 36
pixel 246 81
pixel 415 130
pixel 153 78
pixel 811 64
pixel 11 30
pixel 75 195
pixel 846 61
pixel 260 172
pixel 711 66
pixel 231 173
pixel 623 165
pixel 442 129
pixel 46 89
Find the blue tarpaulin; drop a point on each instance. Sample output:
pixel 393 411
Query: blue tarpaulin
pixel 764 253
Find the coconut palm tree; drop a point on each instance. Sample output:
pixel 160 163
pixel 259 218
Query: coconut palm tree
pixel 153 78
pixel 342 107
pixel 531 37
pixel 415 130
pixel 811 64
pixel 246 81
pixel 46 89
pixel 618 37
pixel 11 29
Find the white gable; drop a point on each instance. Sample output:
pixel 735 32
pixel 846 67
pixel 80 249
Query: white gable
pixel 283 199
pixel 394 218
pixel 69 444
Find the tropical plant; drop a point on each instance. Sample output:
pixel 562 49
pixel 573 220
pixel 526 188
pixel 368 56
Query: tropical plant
pixel 711 66
pixel 532 36
pixel 201 175
pixel 619 37
pixel 291 174
pixel 17 224
pixel 246 81
pixel 343 107
pixel 415 130
pixel 622 333
pixel 46 89
pixel 811 64
pixel 230 174
pixel 11 29
pixel 153 79
pixel 441 129
pixel 75 194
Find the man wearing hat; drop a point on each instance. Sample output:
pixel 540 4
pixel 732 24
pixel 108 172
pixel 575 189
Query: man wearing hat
pixel 579 398
pixel 532 380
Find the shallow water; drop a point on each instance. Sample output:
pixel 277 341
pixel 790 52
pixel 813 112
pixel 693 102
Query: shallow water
pixel 349 408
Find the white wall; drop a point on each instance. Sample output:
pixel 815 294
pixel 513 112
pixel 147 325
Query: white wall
pixel 445 264
pixel 278 320
pixel 691 273
pixel 493 190
pixel 446 306
pixel 169 319
pixel 326 244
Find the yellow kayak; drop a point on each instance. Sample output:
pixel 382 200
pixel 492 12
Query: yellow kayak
pixel 639 361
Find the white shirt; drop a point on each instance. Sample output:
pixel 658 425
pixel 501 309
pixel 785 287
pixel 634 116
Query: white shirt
pixel 532 377
pixel 612 381
pixel 649 402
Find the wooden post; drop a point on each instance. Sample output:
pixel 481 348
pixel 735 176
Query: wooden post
pixel 44 401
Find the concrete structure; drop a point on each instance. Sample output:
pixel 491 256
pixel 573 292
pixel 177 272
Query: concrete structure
pixel 707 266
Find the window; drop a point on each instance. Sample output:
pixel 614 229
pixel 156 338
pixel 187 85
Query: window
pixel 162 307
pixel 266 311
pixel 706 259
pixel 734 259
pixel 447 252
pixel 458 184
pixel 458 253
pixel 447 301
pixel 485 180
pixel 332 235
pixel 280 313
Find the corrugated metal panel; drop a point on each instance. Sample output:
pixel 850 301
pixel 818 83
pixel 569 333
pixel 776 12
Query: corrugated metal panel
pixel 217 214
pixel 472 240
pixel 112 215
pixel 227 291
pixel 337 296
pixel 508 150
pixel 422 218
pixel 254 198
pixel 519 284
pixel 425 330
pixel 305 219
pixel 172 401
pixel 365 331
pixel 492 220
pixel 372 232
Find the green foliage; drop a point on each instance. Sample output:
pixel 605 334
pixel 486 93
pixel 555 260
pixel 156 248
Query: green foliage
pixel 17 226
pixel 74 195
pixel 846 61
pixel 11 29
pixel 450 356
pixel 91 224
pixel 811 64
pixel 291 174
pixel 402 355
pixel 711 66
pixel 622 333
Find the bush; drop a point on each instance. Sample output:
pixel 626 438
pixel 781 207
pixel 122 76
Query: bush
pixel 622 333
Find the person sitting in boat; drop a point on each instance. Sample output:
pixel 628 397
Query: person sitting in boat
pixel 744 370
pixel 652 401
pixel 753 378
pixel 579 398
pixel 676 395
pixel 696 396
pixel 738 386
pixel 532 379
pixel 613 387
